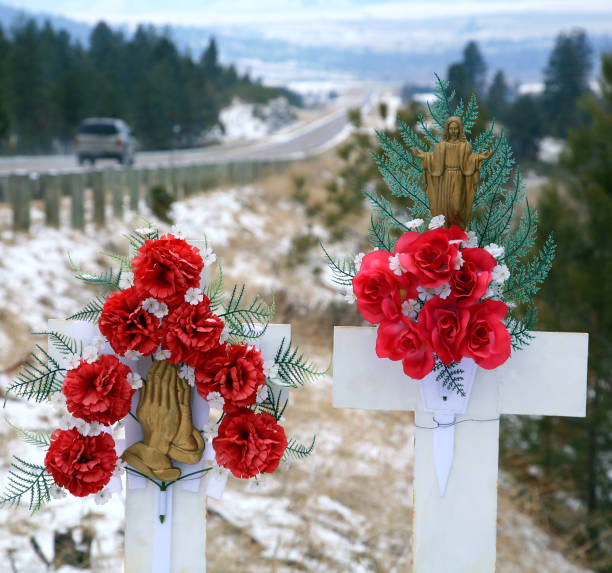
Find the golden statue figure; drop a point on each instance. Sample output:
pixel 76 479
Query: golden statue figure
pixel 451 174
pixel 164 412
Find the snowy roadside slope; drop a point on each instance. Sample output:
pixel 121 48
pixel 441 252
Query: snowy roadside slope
pixel 345 509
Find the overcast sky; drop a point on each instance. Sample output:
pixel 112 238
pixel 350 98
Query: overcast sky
pixel 207 12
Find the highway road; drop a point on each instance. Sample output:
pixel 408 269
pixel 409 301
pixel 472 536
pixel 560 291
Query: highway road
pixel 296 141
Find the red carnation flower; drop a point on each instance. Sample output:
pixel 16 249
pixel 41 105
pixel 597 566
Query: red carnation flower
pixel 81 464
pixel 431 256
pixel 487 340
pixel 249 444
pixel 402 340
pixel 470 282
pixel 126 325
pixel 443 324
pixel 236 371
pixel 99 392
pixel 190 331
pixel 378 290
pixel 165 268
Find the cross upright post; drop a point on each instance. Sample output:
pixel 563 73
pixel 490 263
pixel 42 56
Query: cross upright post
pixel 457 531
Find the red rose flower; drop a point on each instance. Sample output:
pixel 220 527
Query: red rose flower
pixel 236 371
pixel 470 282
pixel 165 268
pixel 431 256
pixel 190 331
pixel 487 340
pixel 99 392
pixel 378 290
pixel 81 464
pixel 443 325
pixel 402 340
pixel 126 325
pixel 249 444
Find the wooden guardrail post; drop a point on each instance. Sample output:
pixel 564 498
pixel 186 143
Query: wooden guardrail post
pixel 20 193
pixel 99 196
pixel 115 177
pixel 133 176
pixel 52 197
pixel 77 200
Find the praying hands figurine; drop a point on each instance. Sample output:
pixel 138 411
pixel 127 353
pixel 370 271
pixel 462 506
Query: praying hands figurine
pixel 451 173
pixel 164 412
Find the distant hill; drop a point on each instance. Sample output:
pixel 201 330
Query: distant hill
pixel 382 50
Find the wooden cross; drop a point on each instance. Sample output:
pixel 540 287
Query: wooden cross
pixel 178 544
pixel 457 532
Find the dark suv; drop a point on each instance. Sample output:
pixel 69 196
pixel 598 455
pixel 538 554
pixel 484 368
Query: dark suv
pixel 104 137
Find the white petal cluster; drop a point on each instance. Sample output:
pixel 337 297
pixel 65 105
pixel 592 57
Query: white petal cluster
pixel 57 398
pixel 410 308
pixel 225 334
pixel 126 280
pixel 270 369
pixel 73 361
pixel 102 497
pixel 415 223
pixel 458 260
pixel 262 394
pixel 99 342
pixel 500 274
pixel 158 309
pixel 349 297
pixel 495 250
pixel 145 231
pixel 57 492
pixel 211 430
pixel 135 380
pixel 425 293
pixel 396 266
pixel 471 242
pixel 215 400
pixel 437 222
pixel 187 373
pixel 194 296
pixel 258 482
pixel 494 291
pixel 90 354
pixel 209 256
pixel 358 260
pixel 219 472
pixel 177 232
pixel 443 291
pixel 133 354
pixel 161 354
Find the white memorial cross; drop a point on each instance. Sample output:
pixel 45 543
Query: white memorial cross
pixel 456 532
pixel 178 545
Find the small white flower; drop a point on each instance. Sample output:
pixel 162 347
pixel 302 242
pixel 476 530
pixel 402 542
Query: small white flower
pixel 194 296
pixel 57 398
pixel 215 400
pixel 414 223
pixel 162 310
pixel 425 293
pixel 437 222
pixel 262 394
pixel 57 492
pixel 219 473
pixel 177 232
pixel 145 231
pixel 161 354
pixel 210 430
pixel 396 266
pixel 126 280
pixel 150 305
pixel 99 342
pixel 118 427
pixel 208 256
pixel 358 260
pixel 102 497
pixel 410 308
pixel 120 467
pixel 511 304
pixel 95 429
pixel 82 426
pixel 187 373
pixel 495 250
pixel 471 242
pixel 349 297
pixel 135 380
pixel 494 292
pixel 258 482
pixel 67 422
pixel 500 273
pixel 133 354
pixel 458 260
pixel 225 334
pixel 73 361
pixel 443 291
pixel 270 369
pixel 90 354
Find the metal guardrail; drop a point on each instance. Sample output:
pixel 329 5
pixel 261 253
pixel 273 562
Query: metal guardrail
pixel 97 186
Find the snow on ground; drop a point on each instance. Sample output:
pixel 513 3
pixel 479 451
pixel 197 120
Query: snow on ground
pixel 345 509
